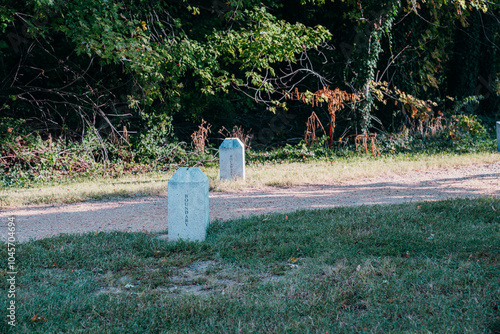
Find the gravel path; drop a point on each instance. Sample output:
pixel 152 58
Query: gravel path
pixel 150 213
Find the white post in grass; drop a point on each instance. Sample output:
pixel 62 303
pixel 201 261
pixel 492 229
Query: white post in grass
pixel 188 205
pixel 232 159
pixel 498 136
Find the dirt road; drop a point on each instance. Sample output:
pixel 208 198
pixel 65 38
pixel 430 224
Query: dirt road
pixel 150 213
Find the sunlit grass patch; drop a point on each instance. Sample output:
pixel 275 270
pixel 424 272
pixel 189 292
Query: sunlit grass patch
pixel 81 190
pixel 281 174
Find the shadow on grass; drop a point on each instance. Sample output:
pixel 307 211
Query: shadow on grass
pixel 429 267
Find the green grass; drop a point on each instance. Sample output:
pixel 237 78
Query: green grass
pixel 258 174
pixel 430 267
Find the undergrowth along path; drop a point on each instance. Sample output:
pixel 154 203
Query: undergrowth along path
pixel 150 213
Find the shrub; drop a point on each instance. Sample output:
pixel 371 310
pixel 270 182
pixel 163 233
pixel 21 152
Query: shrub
pixel 460 133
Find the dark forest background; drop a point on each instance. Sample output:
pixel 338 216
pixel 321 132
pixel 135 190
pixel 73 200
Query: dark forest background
pixel 135 78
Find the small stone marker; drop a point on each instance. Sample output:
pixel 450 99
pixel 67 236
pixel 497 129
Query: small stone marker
pixel 498 136
pixel 188 205
pixel 232 159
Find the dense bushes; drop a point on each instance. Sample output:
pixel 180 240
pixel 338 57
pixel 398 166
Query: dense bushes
pixel 26 158
pixel 118 85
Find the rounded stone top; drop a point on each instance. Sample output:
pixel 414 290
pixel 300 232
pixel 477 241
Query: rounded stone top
pixel 231 143
pixel 189 174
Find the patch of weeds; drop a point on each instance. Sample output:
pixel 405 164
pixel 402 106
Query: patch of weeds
pixel 458 134
pixel 279 183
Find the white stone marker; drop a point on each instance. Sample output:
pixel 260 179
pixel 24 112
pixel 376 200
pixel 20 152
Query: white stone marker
pixel 498 136
pixel 188 205
pixel 232 159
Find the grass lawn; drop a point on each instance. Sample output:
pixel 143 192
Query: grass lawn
pixel 279 173
pixel 430 267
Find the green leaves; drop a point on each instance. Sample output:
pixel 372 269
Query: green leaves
pixel 261 43
pixel 161 53
pixel 6 16
pixel 171 56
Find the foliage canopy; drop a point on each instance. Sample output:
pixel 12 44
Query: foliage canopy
pixel 144 70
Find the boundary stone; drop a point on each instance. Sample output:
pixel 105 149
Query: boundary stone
pixel 188 205
pixel 232 159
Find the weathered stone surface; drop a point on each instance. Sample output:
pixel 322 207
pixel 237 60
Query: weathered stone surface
pixel 188 205
pixel 232 159
pixel 498 136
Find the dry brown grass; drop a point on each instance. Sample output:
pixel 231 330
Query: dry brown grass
pixel 238 132
pixel 257 176
pixel 200 137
